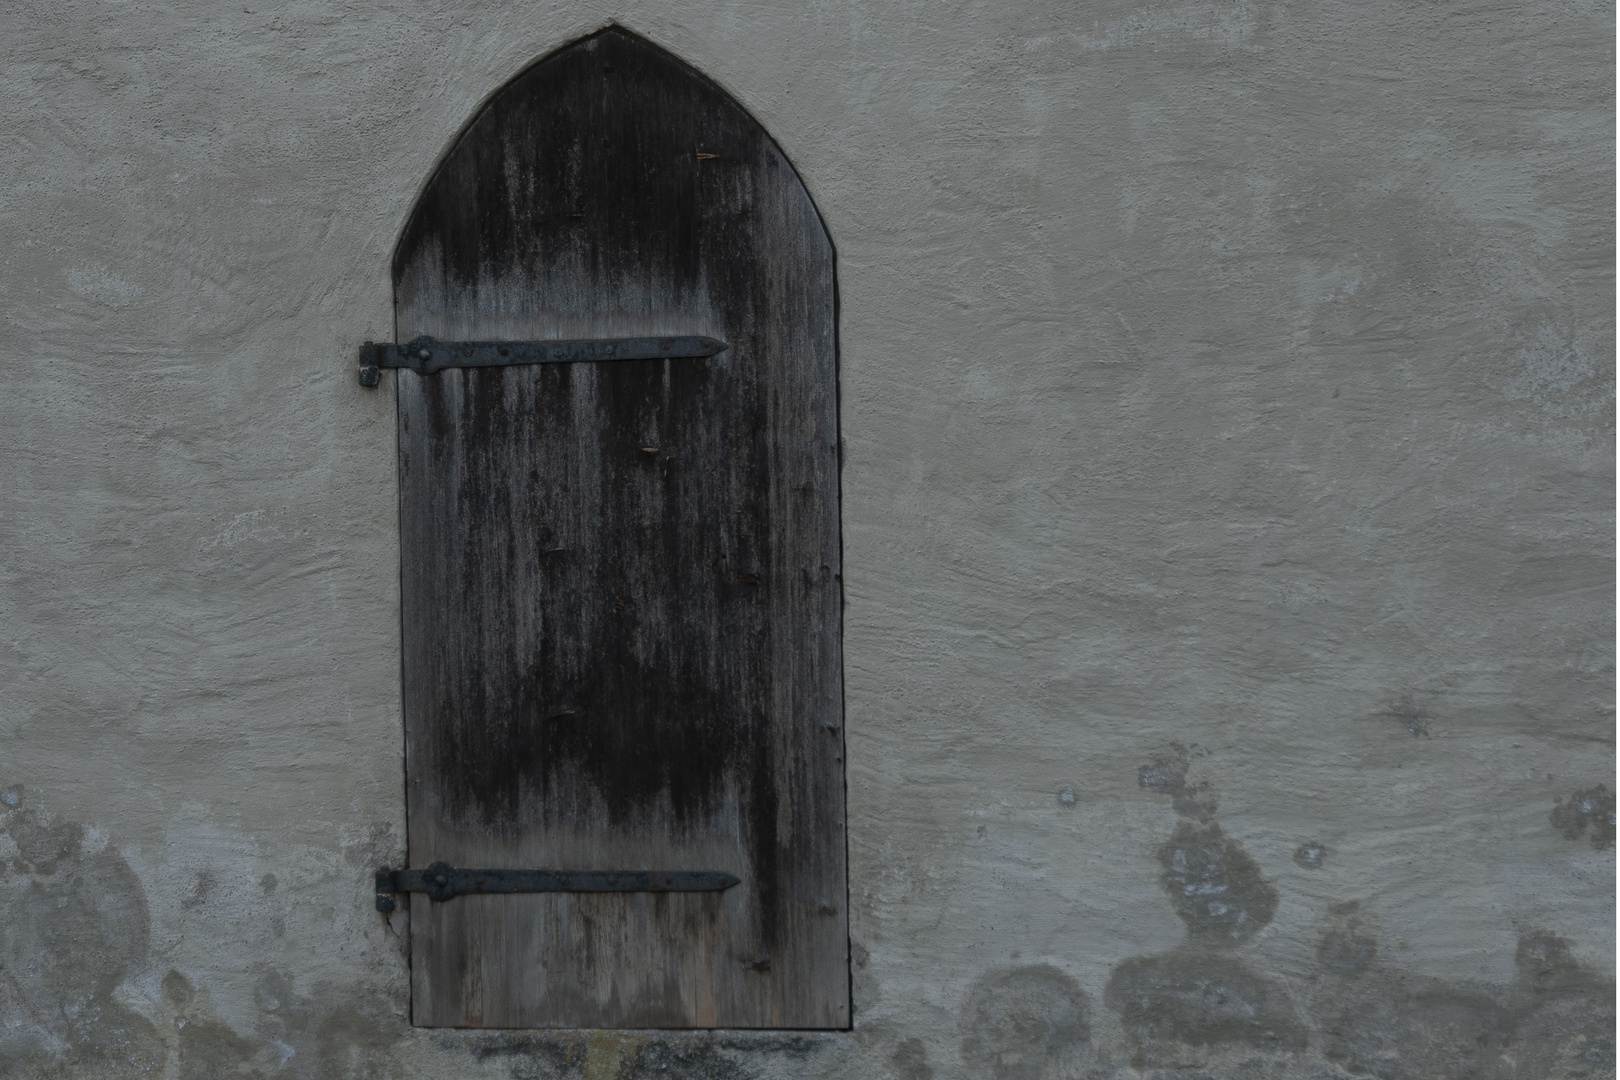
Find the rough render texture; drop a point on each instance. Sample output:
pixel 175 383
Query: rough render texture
pixel 1228 405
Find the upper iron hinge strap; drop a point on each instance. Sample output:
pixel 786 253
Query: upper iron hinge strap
pixel 425 356
pixel 441 881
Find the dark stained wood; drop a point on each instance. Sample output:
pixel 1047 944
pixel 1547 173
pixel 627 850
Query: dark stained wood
pixel 621 581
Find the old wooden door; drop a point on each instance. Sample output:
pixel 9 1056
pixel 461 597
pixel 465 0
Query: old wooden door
pixel 621 590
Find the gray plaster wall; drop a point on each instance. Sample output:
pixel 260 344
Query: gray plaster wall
pixel 1228 404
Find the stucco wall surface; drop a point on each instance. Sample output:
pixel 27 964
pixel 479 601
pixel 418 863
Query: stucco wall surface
pixel 1228 405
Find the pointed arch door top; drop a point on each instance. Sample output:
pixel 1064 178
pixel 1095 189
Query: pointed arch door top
pixel 612 161
pixel 620 581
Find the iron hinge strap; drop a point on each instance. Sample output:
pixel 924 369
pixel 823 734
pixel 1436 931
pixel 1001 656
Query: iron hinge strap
pixel 425 355
pixel 441 881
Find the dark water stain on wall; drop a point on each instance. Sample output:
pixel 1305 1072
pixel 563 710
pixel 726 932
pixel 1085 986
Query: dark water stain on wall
pixel 1192 1008
pixel 1555 1021
pixel 1346 947
pixel 296 1036
pixel 75 929
pixel 1023 1023
pixel 1587 813
pixel 910 1061
pixel 1215 887
pixel 207 1047
pixel 322 1034
pixel 1545 963
pixel 1563 1012
pixel 1191 998
pixel 1167 774
pixel 1200 1000
pixel 352 1043
pixel 1400 1030
pixel 75 925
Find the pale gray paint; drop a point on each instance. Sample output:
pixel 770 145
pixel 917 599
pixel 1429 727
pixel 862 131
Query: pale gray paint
pixel 1226 375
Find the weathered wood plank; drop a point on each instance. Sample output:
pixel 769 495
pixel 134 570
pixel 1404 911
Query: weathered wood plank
pixel 621 581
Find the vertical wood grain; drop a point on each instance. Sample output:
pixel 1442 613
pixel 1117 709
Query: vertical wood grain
pixel 621 581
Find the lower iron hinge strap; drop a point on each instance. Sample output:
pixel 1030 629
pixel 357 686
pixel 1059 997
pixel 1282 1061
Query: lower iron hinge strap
pixel 441 881
pixel 426 356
